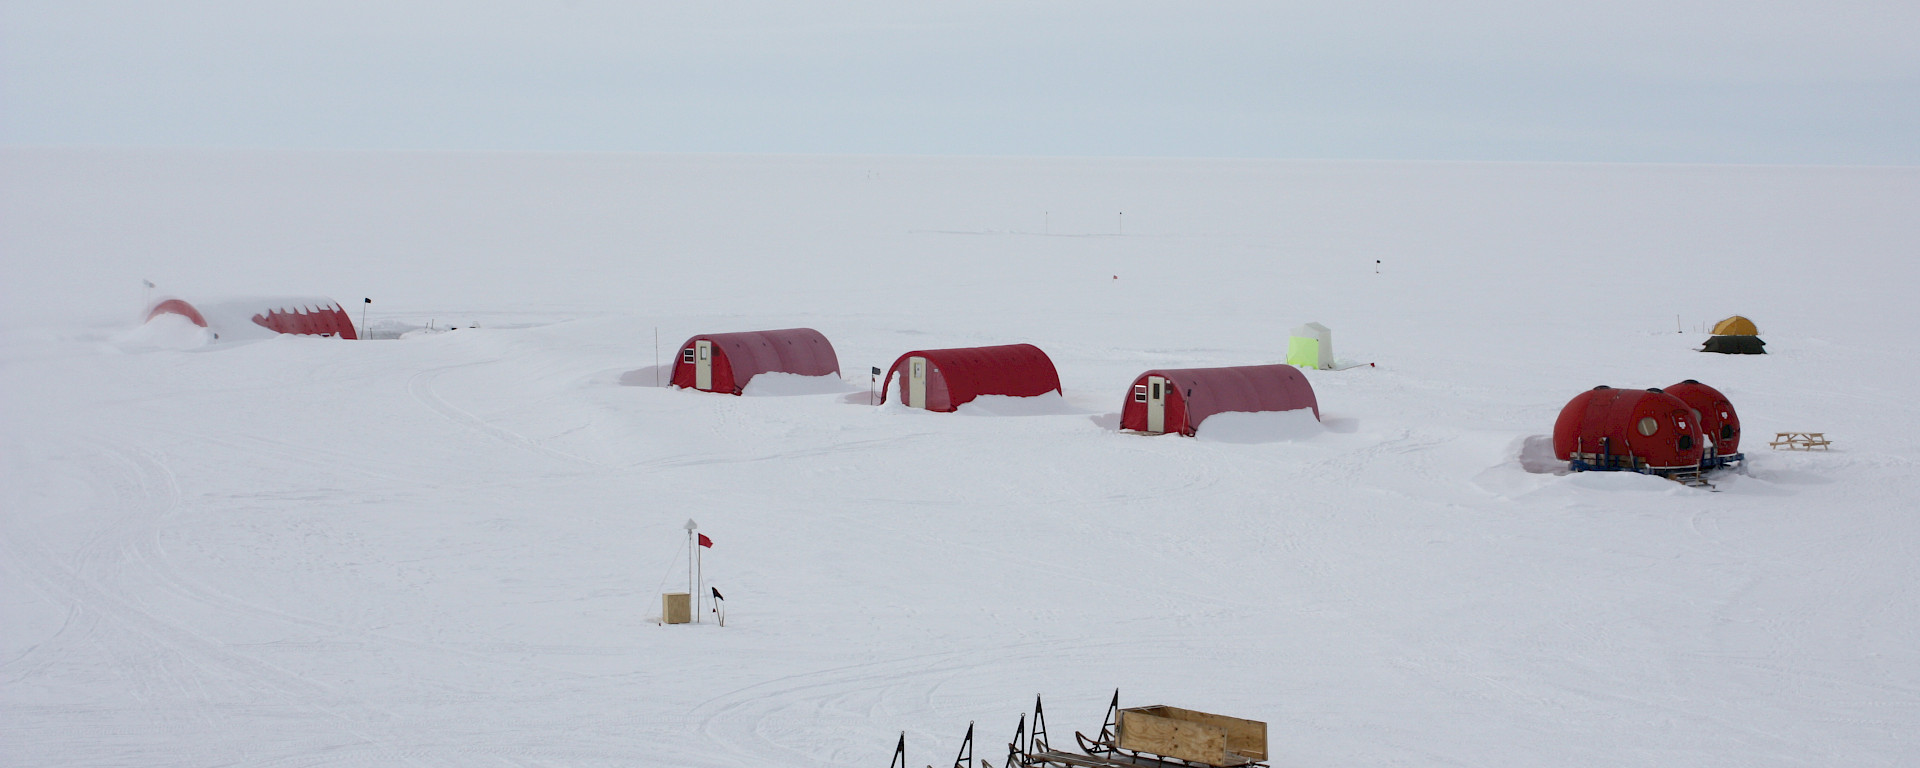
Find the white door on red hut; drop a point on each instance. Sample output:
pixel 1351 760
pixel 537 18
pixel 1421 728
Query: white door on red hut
pixel 1156 404
pixel 703 365
pixel 916 382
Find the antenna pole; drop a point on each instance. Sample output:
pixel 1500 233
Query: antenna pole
pixel 692 558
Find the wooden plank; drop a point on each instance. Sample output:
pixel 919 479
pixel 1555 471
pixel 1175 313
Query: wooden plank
pixel 1068 758
pixel 1144 729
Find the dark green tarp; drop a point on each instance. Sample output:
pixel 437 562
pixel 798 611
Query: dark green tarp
pixel 1735 345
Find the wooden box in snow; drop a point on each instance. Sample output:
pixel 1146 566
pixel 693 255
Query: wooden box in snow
pixel 676 608
pixel 1188 735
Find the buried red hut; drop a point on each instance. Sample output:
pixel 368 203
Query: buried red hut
pixel 944 379
pixel 301 316
pixel 1638 430
pixel 1177 400
pixel 725 362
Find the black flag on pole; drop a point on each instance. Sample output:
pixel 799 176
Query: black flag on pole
pixel 716 593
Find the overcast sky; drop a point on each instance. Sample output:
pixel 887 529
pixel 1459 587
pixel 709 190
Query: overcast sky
pixel 1741 81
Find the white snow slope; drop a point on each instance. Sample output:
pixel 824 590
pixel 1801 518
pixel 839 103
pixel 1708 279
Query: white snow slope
pixel 448 549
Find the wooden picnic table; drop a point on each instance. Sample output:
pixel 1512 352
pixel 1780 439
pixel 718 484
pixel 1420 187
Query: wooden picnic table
pixel 1800 441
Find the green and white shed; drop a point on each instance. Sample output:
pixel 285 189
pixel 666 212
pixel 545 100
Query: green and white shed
pixel 1311 347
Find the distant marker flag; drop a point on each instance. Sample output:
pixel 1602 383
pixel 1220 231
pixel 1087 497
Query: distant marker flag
pixel 716 593
pixel 705 542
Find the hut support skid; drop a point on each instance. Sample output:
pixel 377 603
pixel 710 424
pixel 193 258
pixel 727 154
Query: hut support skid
pixel 1693 475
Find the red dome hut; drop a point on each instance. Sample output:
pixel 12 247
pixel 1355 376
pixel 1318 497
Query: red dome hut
pixel 725 362
pixel 1718 421
pixel 1637 430
pixel 945 379
pixel 1177 400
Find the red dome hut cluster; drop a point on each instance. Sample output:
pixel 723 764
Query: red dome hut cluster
pixel 1684 429
pixel 1161 401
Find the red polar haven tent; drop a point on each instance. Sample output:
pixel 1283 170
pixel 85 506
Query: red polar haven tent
pixel 944 379
pixel 725 362
pixel 238 318
pixel 1177 400
pixel 1638 430
pixel 1718 421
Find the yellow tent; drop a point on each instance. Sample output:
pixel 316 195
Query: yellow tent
pixel 1735 326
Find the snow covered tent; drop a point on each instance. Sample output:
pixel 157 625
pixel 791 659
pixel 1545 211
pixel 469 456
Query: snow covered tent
pixel 725 362
pixel 1177 400
pixel 1311 346
pixel 945 379
pixel 1718 421
pixel 239 318
pixel 1735 345
pixel 1636 430
pixel 1735 326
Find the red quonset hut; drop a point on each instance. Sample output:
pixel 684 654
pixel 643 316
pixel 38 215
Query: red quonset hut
pixel 306 317
pixel 725 362
pixel 944 379
pixel 1718 421
pixel 1639 430
pixel 1177 400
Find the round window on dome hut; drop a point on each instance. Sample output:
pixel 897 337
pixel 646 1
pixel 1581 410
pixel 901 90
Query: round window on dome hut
pixel 1648 426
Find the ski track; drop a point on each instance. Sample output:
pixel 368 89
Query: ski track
pixel 420 385
pixel 183 665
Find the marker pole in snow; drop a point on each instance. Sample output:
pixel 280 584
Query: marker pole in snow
pixel 872 381
pixel 146 295
pixel 1376 266
pixel 691 558
pixel 1123 222
pixel 364 333
pixel 656 355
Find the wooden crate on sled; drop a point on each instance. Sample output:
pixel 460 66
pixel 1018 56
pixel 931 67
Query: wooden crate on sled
pixel 1199 737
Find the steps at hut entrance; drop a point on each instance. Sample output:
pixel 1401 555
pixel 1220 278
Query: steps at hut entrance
pixel 1691 478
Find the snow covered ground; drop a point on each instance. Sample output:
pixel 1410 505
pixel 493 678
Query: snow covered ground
pixel 447 548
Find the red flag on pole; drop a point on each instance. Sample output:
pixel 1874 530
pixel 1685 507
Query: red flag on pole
pixel 704 541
